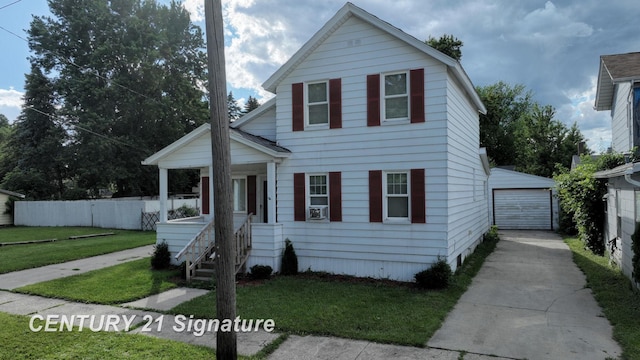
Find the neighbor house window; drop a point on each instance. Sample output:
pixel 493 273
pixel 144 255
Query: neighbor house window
pixel 318 103
pixel 239 195
pixel 318 190
pixel 396 96
pixel 618 215
pixel 396 195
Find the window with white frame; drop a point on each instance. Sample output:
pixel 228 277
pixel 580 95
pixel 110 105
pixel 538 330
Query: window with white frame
pixel 396 195
pixel 618 215
pixel 318 103
pixel 395 91
pixel 318 190
pixel 239 194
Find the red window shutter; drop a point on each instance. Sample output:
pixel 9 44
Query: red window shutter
pixel 335 103
pixel 297 107
pixel 299 203
pixel 417 95
pixel 418 212
pixel 251 195
pixel 375 196
pixel 204 190
pixel 335 196
pixel 373 100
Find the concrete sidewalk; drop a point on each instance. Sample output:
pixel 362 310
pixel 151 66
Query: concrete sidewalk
pixel 529 301
pixel 16 279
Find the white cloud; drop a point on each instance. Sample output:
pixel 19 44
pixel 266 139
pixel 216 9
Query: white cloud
pixel 11 98
pixel 195 9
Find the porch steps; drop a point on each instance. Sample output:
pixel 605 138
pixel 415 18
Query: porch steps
pixel 207 270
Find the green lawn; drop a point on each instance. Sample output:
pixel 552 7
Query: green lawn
pixel 613 291
pixel 18 342
pixel 370 311
pixel 116 284
pixel 18 257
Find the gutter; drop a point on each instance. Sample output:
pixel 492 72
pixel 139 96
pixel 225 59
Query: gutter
pixel 630 171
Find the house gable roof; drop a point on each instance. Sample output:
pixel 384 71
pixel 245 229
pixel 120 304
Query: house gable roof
pixel 615 69
pixel 349 10
pixel 256 142
pixel 271 103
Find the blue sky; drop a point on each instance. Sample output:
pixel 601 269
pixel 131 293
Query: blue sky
pixel 551 47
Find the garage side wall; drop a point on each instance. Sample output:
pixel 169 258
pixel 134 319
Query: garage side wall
pixel 510 185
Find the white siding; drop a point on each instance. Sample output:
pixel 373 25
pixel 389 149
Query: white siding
pixel 264 125
pixel 622 254
pixel 198 154
pixel 467 203
pixel 356 246
pixel 267 246
pixel 621 118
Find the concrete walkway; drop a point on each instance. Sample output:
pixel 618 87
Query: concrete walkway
pixel 16 279
pixel 528 301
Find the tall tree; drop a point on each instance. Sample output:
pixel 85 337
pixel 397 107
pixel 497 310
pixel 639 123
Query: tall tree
pixel 251 104
pixel 128 74
pixel 233 108
pixel 506 105
pixel 447 44
pixel 542 142
pixel 226 341
pixel 36 155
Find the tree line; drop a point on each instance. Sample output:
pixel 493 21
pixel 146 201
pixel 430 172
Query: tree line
pixel 113 82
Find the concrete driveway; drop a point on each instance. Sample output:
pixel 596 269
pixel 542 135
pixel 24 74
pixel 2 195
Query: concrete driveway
pixel 528 301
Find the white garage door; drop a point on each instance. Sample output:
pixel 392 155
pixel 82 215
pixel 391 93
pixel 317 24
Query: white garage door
pixel 522 209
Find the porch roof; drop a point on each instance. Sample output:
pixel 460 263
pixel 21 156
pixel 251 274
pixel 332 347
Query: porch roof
pixel 261 145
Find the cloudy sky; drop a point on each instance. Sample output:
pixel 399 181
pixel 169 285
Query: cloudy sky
pixel 551 47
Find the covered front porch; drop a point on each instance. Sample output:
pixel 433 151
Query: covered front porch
pixel 254 162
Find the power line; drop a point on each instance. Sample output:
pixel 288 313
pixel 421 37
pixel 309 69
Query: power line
pixel 13 3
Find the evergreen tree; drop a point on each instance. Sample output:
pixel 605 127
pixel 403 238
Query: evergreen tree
pixel 233 108
pixel 250 105
pixel 36 156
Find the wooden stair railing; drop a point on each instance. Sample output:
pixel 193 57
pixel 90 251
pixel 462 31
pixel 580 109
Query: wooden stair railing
pixel 201 248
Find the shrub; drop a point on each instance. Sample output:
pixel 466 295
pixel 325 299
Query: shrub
pixel 635 248
pixel 161 258
pixel 491 235
pixel 260 272
pixel 289 265
pixel 435 277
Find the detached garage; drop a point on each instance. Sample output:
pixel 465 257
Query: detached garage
pixel 522 201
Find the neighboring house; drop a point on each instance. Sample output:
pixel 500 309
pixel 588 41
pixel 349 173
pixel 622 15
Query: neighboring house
pixel 522 201
pixel 367 159
pixel 5 217
pixel 619 91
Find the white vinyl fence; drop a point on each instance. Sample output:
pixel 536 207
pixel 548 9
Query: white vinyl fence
pixel 115 214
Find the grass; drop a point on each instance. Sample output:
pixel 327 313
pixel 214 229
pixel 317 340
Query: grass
pixel 19 257
pixel 18 342
pixel 374 311
pixel 113 285
pixel 614 293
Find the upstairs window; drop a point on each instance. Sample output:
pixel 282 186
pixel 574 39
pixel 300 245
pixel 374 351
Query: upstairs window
pixel 396 96
pixel 317 103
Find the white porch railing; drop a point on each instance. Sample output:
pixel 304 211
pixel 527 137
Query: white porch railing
pixel 202 247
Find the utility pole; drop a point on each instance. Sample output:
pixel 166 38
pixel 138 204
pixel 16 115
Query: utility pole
pixel 226 342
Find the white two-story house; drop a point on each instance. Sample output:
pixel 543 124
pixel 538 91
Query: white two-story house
pixel 618 91
pixel 367 159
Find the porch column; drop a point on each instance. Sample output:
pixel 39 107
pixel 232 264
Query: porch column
pixel 271 192
pixel 164 191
